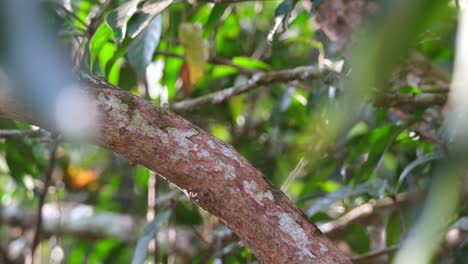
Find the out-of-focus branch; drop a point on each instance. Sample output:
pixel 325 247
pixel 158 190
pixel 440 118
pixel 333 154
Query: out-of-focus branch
pixel 257 80
pixel 417 100
pixel 15 133
pixel 43 194
pixel 365 214
pixel 83 221
pixel 74 219
pixel 373 254
pixel 91 29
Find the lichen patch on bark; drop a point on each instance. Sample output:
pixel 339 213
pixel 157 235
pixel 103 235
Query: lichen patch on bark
pixel 228 153
pixel 137 122
pixel 116 109
pixel 211 144
pixel 299 236
pixel 228 171
pixel 323 248
pixel 252 188
pixel 181 138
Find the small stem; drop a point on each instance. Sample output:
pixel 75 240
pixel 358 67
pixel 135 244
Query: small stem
pixel 43 194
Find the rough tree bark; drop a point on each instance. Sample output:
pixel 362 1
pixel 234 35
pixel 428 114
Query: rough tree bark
pixel 210 172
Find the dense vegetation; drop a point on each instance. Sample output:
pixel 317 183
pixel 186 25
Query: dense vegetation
pixel 347 118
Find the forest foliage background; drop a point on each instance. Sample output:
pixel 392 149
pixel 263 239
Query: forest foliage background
pixel 347 118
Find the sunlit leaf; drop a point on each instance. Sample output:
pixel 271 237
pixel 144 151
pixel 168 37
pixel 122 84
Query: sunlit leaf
pixel 250 63
pixel 102 35
pixel 196 49
pixel 118 18
pixel 145 15
pixel 410 90
pixel 213 19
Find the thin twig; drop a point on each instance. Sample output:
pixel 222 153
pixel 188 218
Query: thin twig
pixel 365 214
pixel 257 80
pixel 91 29
pixel 43 194
pixel 375 253
pixel 71 14
pixel 15 133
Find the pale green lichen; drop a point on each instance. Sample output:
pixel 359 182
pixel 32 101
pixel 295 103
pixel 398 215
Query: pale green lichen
pixel 298 235
pixel 227 170
pixel 203 154
pixel 323 248
pixel 116 109
pixel 119 111
pixel 182 140
pixel 138 123
pixel 231 154
pixel 252 188
pixel 211 144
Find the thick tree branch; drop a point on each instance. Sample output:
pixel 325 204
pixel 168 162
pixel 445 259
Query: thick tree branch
pixel 211 173
pixel 257 80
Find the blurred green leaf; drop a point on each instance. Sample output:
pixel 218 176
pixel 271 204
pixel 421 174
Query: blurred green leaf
pixel 410 90
pixel 117 19
pixel 213 19
pixel 187 214
pixel 141 50
pixel 102 35
pixel 20 159
pixel 145 15
pixel 250 63
pixel 141 249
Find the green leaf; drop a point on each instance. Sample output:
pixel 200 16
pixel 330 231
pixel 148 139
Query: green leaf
pixel 250 63
pixel 187 214
pixel 141 50
pixel 215 15
pixel 100 38
pixel 20 158
pixel 410 90
pixel 282 13
pixel 141 249
pixel 416 163
pixel 145 16
pixel 285 8
pixel 105 55
pixel 222 71
pixel 196 49
pixel 118 18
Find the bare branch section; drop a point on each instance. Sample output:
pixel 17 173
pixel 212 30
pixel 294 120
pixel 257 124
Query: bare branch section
pixel 84 221
pixel 367 213
pixel 42 196
pixel 74 219
pixel 210 172
pixel 258 79
pixel 16 133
